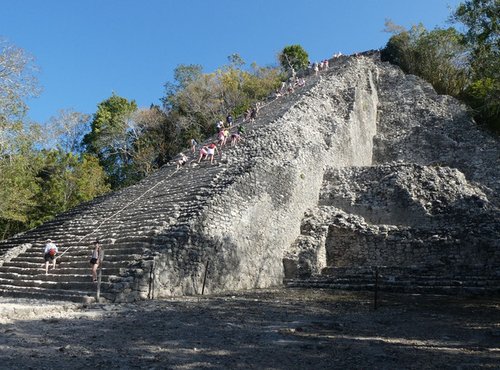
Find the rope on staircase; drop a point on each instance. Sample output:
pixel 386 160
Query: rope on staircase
pixel 120 210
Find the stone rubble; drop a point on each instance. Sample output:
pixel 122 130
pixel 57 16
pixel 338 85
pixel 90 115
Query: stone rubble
pixel 427 206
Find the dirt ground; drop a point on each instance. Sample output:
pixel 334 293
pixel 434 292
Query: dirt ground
pixel 266 329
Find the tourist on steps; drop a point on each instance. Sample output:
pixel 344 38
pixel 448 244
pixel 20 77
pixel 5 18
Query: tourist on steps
pixel 212 149
pixel 50 252
pixel 221 138
pixel 229 120
pixel 235 138
pixel 253 114
pixel 194 143
pixel 219 125
pixel 203 153
pixel 95 259
pixel 246 115
pixel 182 160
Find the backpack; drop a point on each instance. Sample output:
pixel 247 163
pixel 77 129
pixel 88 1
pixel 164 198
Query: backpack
pixel 52 251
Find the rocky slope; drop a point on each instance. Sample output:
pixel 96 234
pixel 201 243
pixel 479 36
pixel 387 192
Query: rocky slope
pixel 425 213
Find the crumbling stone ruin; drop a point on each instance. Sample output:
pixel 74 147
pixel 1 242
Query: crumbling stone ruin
pixel 363 169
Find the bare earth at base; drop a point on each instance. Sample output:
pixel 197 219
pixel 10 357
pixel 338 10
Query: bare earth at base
pixel 264 329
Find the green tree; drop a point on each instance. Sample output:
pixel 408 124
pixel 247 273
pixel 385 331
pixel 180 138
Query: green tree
pixel 437 56
pixel 199 104
pixel 111 139
pixel 482 36
pixel 261 82
pixel 18 188
pixel 37 184
pixel 293 58
pixel 482 19
pixel 157 139
pixel 235 60
pixel 90 179
pixel 65 180
pixel 196 102
pixel 18 163
pixel 184 74
pixel 465 65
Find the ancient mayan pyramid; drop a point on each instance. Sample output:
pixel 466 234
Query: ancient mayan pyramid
pixel 363 168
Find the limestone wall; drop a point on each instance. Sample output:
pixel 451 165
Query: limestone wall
pixel 255 214
pixel 365 245
pixel 417 125
pixel 397 215
pixel 429 200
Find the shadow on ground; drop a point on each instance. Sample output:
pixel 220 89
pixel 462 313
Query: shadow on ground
pixel 272 329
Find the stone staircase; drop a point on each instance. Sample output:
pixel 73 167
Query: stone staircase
pixel 463 280
pixel 131 224
pixel 126 222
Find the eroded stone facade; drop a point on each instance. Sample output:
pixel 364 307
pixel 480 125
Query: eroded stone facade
pixel 429 201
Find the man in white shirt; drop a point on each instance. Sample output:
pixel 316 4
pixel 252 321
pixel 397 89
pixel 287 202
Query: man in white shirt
pixel 50 255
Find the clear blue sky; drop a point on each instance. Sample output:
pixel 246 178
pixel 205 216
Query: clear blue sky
pixel 87 49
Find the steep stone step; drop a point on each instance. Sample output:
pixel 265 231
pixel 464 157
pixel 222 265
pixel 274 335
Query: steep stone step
pixel 439 286
pixel 48 282
pixel 156 213
pixel 57 277
pixel 64 264
pixel 124 236
pixel 86 252
pixel 75 259
pixel 127 246
pixel 22 271
pixel 49 294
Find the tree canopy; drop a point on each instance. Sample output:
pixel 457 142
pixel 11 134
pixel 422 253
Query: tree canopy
pixel 293 58
pixel 462 64
pixel 437 56
pixel 111 138
pixel 482 36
